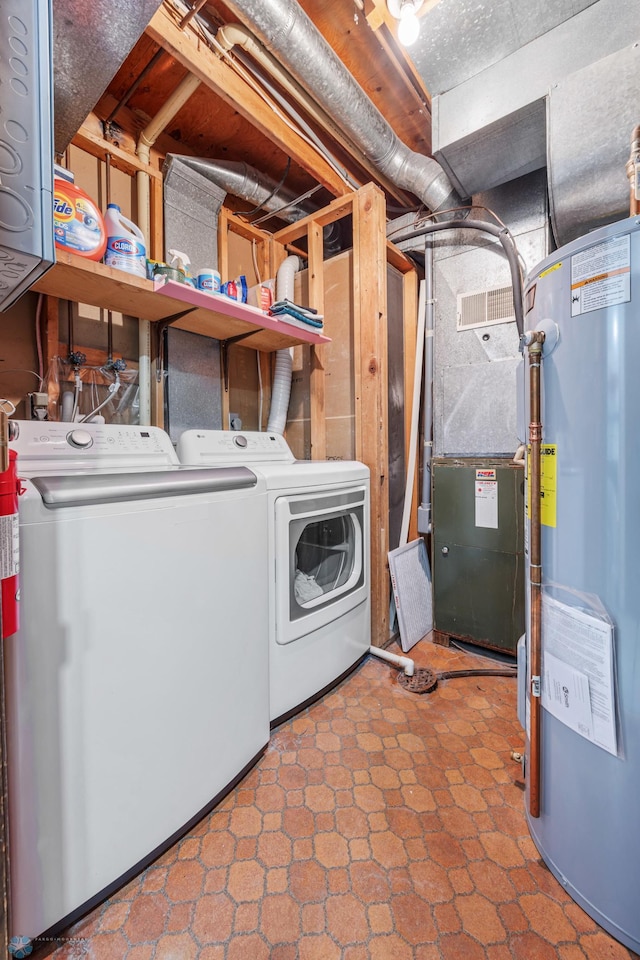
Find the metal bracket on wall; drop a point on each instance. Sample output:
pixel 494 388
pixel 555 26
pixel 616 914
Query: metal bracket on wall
pixel 160 327
pixel 224 355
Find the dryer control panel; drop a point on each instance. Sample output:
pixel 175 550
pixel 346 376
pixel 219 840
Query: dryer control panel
pixel 206 447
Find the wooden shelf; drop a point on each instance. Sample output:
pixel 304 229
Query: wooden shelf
pixel 85 281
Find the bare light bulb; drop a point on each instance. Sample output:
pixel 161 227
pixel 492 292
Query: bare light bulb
pixel 409 26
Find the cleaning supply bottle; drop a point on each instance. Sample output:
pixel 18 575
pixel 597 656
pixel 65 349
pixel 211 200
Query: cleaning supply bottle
pixel 78 224
pixel 181 262
pixel 125 243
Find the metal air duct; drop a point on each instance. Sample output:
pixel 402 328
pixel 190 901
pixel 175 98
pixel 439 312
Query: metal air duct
pixel 288 33
pixel 242 180
pixel 91 41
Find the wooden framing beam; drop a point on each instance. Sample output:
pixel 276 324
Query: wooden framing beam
pixel 341 207
pixel 88 140
pixel 317 383
pixel 219 77
pixel 371 400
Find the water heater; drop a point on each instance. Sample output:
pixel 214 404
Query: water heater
pixel 586 297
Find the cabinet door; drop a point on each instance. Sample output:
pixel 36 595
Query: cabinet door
pixel 478 571
pixel 479 595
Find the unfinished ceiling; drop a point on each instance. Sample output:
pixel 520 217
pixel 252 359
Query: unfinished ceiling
pixel 489 66
pixel 215 122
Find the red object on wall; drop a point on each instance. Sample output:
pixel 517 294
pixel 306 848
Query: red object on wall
pixel 10 490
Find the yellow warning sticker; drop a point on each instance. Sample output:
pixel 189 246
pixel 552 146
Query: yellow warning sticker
pixel 549 270
pixel 548 483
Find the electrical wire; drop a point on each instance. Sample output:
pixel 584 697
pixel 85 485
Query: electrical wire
pixel 260 391
pixel 508 245
pixel 20 370
pixel 424 218
pixel 254 258
pixel 39 337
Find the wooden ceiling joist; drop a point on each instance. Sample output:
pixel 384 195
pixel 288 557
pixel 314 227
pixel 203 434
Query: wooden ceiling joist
pixel 219 77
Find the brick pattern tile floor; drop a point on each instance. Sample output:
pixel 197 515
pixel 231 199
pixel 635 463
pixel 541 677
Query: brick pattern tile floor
pixel 379 825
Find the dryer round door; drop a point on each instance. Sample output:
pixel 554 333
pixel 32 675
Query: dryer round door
pixel 322 551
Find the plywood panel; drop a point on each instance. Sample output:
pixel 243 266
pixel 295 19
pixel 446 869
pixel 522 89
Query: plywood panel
pixel 338 361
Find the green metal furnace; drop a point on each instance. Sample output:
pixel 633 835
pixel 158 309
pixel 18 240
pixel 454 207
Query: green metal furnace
pixel 478 551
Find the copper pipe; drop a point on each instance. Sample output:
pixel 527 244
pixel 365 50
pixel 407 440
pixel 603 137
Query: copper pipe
pixel 536 340
pixel 633 173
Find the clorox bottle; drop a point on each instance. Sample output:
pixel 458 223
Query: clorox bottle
pixel 125 243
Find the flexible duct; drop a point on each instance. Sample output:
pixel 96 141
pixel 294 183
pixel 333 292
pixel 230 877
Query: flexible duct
pixel 281 390
pixel 241 180
pixel 288 33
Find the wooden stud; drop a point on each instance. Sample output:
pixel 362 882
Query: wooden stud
pixel 337 209
pixel 156 239
pixel 370 346
pixel 318 425
pixel 223 245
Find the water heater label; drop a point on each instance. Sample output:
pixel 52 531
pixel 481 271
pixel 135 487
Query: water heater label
pixel 601 275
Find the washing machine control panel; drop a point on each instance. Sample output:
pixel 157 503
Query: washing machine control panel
pixel 49 445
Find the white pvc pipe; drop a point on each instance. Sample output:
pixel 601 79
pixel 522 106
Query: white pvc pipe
pixel 405 662
pixel 281 389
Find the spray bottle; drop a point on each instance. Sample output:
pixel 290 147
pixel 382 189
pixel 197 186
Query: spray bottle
pixel 181 262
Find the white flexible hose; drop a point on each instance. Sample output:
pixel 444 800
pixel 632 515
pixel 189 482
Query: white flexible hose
pixel 281 390
pixel 113 387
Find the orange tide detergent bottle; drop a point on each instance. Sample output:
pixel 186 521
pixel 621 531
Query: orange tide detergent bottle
pixel 78 224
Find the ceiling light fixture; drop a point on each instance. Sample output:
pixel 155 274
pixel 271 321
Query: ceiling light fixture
pixel 406 12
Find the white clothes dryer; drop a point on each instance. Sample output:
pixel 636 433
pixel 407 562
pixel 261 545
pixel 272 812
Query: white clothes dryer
pixel 319 560
pixel 137 684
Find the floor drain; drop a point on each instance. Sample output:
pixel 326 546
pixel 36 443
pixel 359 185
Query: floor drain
pixel 422 681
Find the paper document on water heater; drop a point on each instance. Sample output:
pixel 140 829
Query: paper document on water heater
pixel 577 672
pixel 565 694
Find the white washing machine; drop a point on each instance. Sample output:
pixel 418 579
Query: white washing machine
pixel 137 684
pixel 319 563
